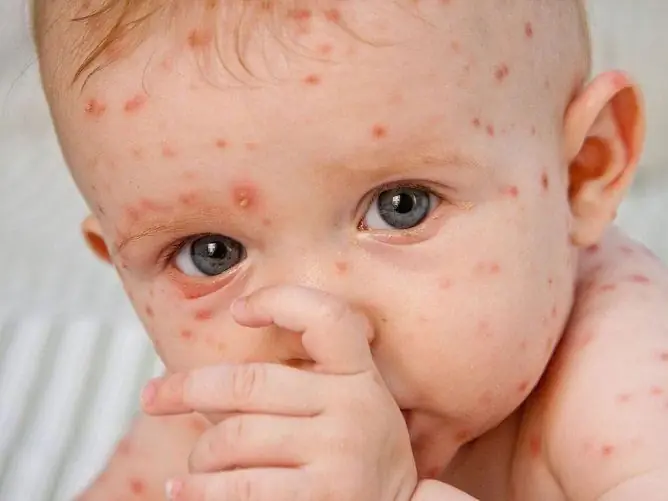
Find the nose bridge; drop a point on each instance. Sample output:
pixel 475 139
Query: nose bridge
pixel 305 264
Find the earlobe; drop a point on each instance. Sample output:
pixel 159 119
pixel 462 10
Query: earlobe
pixel 92 233
pixel 603 137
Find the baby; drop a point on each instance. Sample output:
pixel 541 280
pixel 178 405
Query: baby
pixel 371 242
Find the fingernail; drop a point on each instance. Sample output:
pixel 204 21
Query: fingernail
pixel 149 392
pixel 173 488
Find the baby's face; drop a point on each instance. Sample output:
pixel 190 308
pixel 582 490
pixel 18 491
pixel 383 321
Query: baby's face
pixel 420 180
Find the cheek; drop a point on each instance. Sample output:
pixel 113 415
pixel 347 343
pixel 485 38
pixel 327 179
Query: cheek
pixel 184 334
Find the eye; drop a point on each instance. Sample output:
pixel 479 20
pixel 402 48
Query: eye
pixel 399 208
pixel 209 256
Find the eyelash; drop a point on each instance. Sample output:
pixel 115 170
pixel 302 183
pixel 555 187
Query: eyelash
pixel 175 247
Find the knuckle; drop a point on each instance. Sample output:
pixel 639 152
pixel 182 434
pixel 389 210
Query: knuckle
pixel 246 379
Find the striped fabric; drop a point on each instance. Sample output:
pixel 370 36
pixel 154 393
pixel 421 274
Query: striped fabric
pixel 69 388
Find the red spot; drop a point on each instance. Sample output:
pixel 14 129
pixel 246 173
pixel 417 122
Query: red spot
pixel 593 249
pixel 550 282
pixel 333 15
pixel 325 49
pixel 124 447
pixel 266 222
pixel 490 130
pixel 95 108
pixel 168 151
pixel 535 446
pixel 584 340
pixel 486 398
pixel 607 450
pixel 624 398
pixel 149 311
pixel 455 46
pixel 151 206
pixel 198 424
pixel 202 315
pixel 221 144
pixel 167 64
pixel 188 198
pixel 607 288
pixel 488 268
pixel 379 131
pixel 545 181
pixel 244 195
pixel 137 486
pixel 137 153
pixel 251 146
pixel 523 386
pixel 300 14
pixel 199 38
pixel 554 312
pixel 312 80
pixel 639 279
pixel 501 72
pixel 445 283
pixel 342 267
pixel 187 334
pixel 136 103
pixel 463 435
pixel 523 345
pixel 511 191
pixel 656 391
pixel 133 214
pixel 476 123
pixel 528 30
pixel 663 356
pixel 533 130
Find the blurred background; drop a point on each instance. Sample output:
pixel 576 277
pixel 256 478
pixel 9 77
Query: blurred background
pixel 72 354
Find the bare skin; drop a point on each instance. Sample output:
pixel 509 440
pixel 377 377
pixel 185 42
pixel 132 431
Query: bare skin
pixel 470 305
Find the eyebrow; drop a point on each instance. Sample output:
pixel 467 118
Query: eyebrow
pixel 450 159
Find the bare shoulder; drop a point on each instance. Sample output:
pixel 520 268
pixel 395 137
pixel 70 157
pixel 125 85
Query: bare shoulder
pixel 152 452
pixel 605 397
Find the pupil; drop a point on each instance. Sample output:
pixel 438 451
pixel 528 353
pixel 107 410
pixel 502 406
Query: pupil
pixel 215 250
pixel 403 203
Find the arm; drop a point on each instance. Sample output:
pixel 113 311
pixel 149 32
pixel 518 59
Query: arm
pixel 607 421
pixel 154 450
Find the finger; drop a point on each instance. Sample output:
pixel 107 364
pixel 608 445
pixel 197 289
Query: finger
pixel 259 484
pixel 164 395
pixel 334 335
pixel 252 440
pixel 254 388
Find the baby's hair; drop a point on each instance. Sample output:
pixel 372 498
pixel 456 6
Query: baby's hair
pixel 109 29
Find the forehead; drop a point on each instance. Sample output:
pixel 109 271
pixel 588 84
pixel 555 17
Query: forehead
pixel 339 100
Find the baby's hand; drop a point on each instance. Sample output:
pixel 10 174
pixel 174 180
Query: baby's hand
pixel 287 435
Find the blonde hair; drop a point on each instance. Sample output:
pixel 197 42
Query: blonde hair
pixel 114 27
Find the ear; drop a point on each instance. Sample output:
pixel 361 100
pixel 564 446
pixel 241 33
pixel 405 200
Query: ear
pixel 604 134
pixel 92 233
